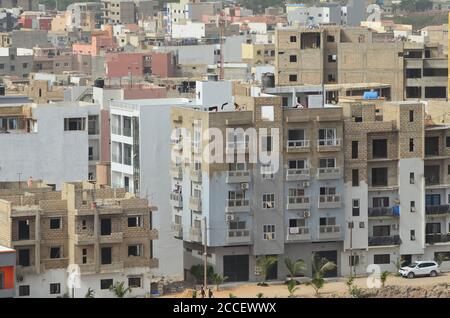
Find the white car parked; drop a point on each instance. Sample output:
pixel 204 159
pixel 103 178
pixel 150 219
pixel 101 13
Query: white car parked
pixel 420 268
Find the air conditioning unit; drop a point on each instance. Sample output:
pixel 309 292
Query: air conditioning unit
pixel 19 278
pixel 305 184
pixel 306 214
pixel 395 226
pixel 230 217
pixel 293 230
pixel 244 186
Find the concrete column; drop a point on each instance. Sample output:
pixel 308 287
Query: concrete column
pixel 96 241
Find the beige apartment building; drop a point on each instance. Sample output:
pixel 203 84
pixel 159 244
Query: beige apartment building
pixel 331 54
pixel 102 235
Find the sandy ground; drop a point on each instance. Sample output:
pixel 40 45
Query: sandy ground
pixel 336 287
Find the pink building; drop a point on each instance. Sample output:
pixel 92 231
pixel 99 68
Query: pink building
pixel 100 41
pixel 121 64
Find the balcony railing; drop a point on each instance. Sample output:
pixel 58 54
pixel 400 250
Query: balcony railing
pixel 297 174
pixel 298 234
pixel 297 202
pixel 195 234
pixel 329 201
pixel 177 229
pixel 195 204
pixel 238 176
pixel 437 238
pixel 297 145
pixel 114 237
pixel 236 146
pixel 238 205
pixel 381 211
pixel 437 209
pixel 196 175
pixel 238 236
pixel 384 240
pixel 328 144
pixel 177 172
pixel 176 199
pixel 328 173
pixel 116 267
pixel 329 232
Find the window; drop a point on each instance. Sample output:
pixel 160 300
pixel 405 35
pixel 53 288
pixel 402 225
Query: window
pixel 91 153
pixel 332 58
pixel 354 149
pixel 353 260
pixel 298 164
pixel 327 137
pixel 381 230
pixel 12 68
pixel 327 221
pixel 268 232
pixel 293 58
pixel 84 255
pixel 297 222
pixel 55 288
pixel 447 141
pixel 55 252
pixel 266 143
pixel 127 126
pixel 106 255
pixel 412 235
pixel 355 207
pixel 293 38
pixel 24 65
pixel 327 163
pixel 24 257
pixel 116 150
pixel 411 144
pixel 83 224
pixel 127 154
pixel 412 206
pixel 411 178
pixel 361 225
pixel 382 259
pixel 267 113
pixel 327 190
pixel 411 116
pixel 379 148
pixel 379 177
pixel 293 78
pixel 55 223
pixel 106 283
pixel 134 282
pixel 135 221
pixel 355 177
pixel 268 201
pixel 330 38
pixel 24 290
pixel 432 146
pixel 71 124
pixel 296 135
pixel 134 250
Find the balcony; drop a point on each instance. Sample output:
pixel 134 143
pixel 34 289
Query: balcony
pixel 176 199
pixel 116 267
pixel 177 230
pixel 237 176
pixel 23 242
pixel 329 201
pixel 437 238
pixel 195 234
pixel 329 144
pixel 25 270
pixel 297 146
pixel 195 204
pixel 384 240
pixel 297 174
pixel 239 147
pixel 437 209
pixel 196 147
pixel 382 212
pixel 176 172
pixel 298 234
pixel 329 232
pixel 113 238
pixel 297 202
pixel 87 269
pixel 177 144
pixel 83 239
pixel 328 173
pixel 238 236
pixel 196 176
pixel 54 263
pixel 237 205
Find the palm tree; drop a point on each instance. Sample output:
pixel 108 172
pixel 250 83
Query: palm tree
pixel 119 290
pixel 319 266
pixel 294 268
pixel 218 280
pixel 265 263
pixel 90 293
pixel 383 277
pixel 292 287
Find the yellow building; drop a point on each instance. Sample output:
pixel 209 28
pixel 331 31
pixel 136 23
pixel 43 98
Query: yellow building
pixel 258 54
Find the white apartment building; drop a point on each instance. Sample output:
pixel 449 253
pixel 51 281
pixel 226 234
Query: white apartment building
pixel 141 156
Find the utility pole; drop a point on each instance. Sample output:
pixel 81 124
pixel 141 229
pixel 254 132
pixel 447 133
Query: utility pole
pixel 350 226
pixel 19 174
pixel 205 254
